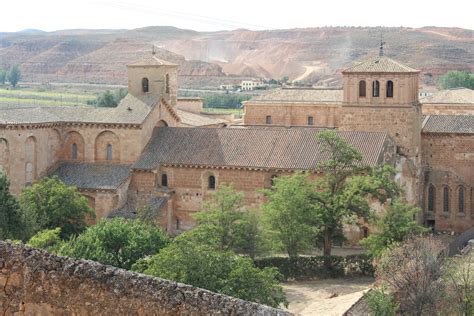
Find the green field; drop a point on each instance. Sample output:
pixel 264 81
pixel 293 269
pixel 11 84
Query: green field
pixel 47 98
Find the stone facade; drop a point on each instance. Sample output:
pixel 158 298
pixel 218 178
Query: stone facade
pixel 34 282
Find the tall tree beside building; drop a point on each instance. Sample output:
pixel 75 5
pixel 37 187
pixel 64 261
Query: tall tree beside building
pixel 14 75
pixel 12 225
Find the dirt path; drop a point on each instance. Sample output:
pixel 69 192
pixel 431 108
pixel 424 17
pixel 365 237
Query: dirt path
pixel 314 297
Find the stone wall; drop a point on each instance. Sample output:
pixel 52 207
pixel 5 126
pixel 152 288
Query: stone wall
pixel 447 109
pixel 33 282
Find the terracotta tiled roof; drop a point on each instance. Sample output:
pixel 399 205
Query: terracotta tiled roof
pixel 380 64
pixel 93 176
pixel 189 119
pixel 152 61
pixel 462 124
pixel 300 95
pixel 457 95
pixel 277 148
pixel 131 110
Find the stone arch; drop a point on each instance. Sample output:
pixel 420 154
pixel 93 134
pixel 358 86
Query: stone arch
pixel 389 90
pixel 107 147
pixel 74 142
pixel 54 146
pixel 30 159
pixel 4 156
pixel 209 180
pixel 431 198
pixel 375 88
pixel 362 88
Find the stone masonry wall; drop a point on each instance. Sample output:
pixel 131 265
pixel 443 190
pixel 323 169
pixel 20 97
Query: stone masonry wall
pixel 34 282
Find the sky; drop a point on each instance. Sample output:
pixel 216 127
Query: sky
pixel 207 15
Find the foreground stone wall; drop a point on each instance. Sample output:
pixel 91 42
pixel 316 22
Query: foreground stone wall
pixel 33 282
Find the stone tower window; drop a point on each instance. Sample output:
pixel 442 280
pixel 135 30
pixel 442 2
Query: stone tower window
pixel 310 120
pixel 167 83
pixel 390 89
pixel 268 119
pixel 376 88
pixel 211 182
pixel 461 200
pixel 446 199
pixel 431 198
pixel 362 88
pixel 164 180
pixel 145 87
pixel 109 151
pixel 74 151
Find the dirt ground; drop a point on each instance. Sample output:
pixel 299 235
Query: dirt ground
pixel 314 297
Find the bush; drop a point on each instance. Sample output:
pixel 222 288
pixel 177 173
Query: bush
pixel 315 266
pixel 48 240
pixel 381 303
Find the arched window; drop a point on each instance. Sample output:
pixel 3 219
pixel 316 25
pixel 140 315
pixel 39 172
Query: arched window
pixel 431 198
pixel 390 89
pixel 167 83
pixel 211 182
pixel 164 180
pixel 74 151
pixel 145 85
pixel 109 151
pixel 268 119
pixel 461 200
pixel 362 88
pixel 375 88
pixel 446 199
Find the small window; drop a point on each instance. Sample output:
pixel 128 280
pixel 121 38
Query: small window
pixel 268 119
pixel 431 198
pixel 177 224
pixel 109 152
pixel 74 151
pixel 390 89
pixel 167 83
pixel 446 199
pixel 211 183
pixel 310 120
pixel 145 87
pixel 376 88
pixel 164 180
pixel 461 200
pixel 362 88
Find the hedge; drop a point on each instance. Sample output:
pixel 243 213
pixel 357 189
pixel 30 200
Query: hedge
pixel 316 267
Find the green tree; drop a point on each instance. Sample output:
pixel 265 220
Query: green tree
pixel 456 79
pixel 106 99
pixel 342 194
pixel 52 204
pixel 12 223
pixel 220 271
pixel 394 226
pixel 3 76
pixel 14 75
pixel 118 242
pixel 49 240
pixel 289 213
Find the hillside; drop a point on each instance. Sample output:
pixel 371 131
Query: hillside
pixel 100 56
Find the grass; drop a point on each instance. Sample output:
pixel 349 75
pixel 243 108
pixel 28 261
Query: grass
pixel 48 98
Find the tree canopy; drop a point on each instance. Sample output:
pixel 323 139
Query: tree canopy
pixel 12 222
pixel 215 270
pixel 14 75
pixel 456 79
pixel 51 204
pixel 118 242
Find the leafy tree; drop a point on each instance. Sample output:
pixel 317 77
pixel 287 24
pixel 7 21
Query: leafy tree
pixel 342 194
pixel 457 79
pixel 14 75
pixel 109 99
pixel 49 240
pixel 12 224
pixel 394 226
pixel 118 242
pixel 289 213
pixel 3 76
pixel 220 271
pixel 52 204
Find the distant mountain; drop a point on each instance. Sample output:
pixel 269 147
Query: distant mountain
pixel 31 31
pixel 312 54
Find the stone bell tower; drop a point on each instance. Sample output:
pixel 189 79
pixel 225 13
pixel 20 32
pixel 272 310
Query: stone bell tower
pixel 152 76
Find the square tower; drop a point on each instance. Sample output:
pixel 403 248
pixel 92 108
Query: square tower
pixel 153 77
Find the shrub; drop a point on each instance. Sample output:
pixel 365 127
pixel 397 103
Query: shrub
pixel 381 303
pixel 48 239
